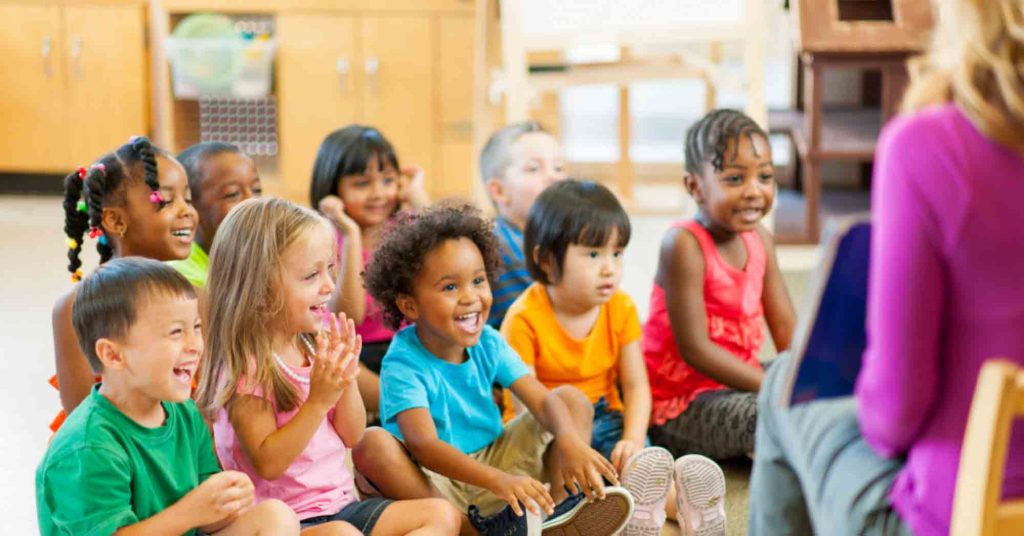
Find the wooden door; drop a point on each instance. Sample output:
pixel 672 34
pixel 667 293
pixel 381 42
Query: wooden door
pixel 106 72
pixel 456 161
pixel 399 88
pixel 33 135
pixel 317 91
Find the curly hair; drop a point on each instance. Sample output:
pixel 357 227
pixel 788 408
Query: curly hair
pixel 399 256
pixel 708 138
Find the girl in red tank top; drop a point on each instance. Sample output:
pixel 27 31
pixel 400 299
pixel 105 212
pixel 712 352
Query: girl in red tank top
pixel 718 282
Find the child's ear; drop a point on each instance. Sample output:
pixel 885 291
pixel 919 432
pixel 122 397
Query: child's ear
pixel 496 191
pixel 407 306
pixel 114 220
pixel 544 263
pixel 692 183
pixel 110 354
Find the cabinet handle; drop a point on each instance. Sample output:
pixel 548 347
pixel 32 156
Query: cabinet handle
pixel 342 67
pixel 76 54
pixel 47 54
pixel 372 66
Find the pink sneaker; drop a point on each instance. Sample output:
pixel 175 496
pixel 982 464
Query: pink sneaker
pixel 700 496
pixel 647 476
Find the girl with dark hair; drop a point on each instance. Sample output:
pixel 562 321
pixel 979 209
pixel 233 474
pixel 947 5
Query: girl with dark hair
pixel 134 201
pixel 358 185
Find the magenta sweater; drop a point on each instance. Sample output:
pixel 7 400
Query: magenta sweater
pixel 946 294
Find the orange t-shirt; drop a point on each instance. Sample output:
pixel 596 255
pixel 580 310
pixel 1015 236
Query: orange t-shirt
pixel 590 364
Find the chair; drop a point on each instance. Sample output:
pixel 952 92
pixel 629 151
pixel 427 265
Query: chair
pixel 977 506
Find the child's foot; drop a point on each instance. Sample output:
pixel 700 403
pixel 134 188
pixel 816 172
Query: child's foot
pixel 504 523
pixel 576 515
pixel 700 496
pixel 648 477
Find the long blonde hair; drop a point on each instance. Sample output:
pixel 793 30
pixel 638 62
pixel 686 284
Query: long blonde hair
pixel 975 60
pixel 245 301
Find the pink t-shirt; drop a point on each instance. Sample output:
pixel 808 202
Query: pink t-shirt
pixel 317 483
pixel 372 328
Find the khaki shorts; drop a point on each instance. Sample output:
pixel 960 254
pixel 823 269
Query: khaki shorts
pixel 519 450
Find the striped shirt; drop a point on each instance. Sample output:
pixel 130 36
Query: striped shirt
pixel 512 278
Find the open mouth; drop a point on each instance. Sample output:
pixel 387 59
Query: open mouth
pixel 185 372
pixel 751 214
pixel 184 234
pixel 469 322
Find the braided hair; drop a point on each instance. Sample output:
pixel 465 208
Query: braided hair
pixel 708 139
pixel 88 190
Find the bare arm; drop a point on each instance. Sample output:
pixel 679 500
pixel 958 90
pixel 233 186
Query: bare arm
pixel 74 375
pixel 681 274
pixel 210 507
pixel 583 466
pixel 349 296
pixel 778 307
pixel 350 416
pixel 271 449
pixel 636 403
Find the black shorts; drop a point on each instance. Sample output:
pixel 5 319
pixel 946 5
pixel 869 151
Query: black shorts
pixel 363 515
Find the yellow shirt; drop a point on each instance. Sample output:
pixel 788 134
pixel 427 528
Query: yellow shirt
pixel 590 364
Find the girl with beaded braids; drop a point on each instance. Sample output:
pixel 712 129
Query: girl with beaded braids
pixel 717 283
pixel 134 201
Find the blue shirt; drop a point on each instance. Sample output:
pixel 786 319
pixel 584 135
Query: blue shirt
pixel 458 396
pixel 512 278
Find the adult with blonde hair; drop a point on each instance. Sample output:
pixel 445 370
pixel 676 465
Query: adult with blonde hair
pixel 944 296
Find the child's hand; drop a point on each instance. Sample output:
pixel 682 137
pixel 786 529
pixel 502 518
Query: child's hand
pixel 516 489
pixel 623 451
pixel 222 496
pixel 337 361
pixel 333 208
pixel 412 193
pixel 584 467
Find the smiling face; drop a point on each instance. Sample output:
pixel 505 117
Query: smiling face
pixel 451 299
pixel 536 163
pixel 735 198
pixel 161 231
pixel 227 180
pixel 306 280
pixel 161 350
pixel 371 198
pixel 589 275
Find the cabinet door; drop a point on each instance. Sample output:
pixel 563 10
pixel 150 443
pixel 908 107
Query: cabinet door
pixel 33 137
pixel 398 91
pixel 316 88
pixel 106 73
pixel 455 152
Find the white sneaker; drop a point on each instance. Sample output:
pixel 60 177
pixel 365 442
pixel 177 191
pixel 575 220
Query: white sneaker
pixel 648 477
pixel 700 496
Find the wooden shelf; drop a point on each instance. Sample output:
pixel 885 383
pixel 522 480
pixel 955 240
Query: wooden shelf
pixel 847 134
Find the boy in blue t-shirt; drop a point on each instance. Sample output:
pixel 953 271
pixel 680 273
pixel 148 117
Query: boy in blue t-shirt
pixel 443 432
pixel 135 457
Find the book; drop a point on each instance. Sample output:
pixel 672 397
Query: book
pixel 831 336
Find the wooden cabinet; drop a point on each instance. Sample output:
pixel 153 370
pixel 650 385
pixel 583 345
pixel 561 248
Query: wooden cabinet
pixel 76 83
pixel 335 70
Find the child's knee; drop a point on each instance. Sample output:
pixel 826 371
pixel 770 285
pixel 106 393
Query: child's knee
pixel 575 400
pixel 376 449
pixel 275 517
pixel 444 515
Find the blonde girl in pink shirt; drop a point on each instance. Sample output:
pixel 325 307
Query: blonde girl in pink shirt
pixel 279 377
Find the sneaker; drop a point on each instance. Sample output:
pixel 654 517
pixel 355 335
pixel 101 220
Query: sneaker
pixel 578 516
pixel 700 496
pixel 504 523
pixel 648 477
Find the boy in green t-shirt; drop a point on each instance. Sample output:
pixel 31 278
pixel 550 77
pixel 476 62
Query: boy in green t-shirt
pixel 136 457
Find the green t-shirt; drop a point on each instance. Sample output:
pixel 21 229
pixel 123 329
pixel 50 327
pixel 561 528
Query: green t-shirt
pixel 195 268
pixel 104 471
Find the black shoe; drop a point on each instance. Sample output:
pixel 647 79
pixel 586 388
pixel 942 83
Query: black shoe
pixel 605 517
pixel 504 523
